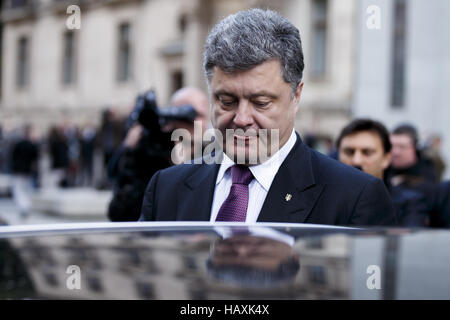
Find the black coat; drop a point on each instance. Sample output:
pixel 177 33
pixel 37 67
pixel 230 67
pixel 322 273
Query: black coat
pixel 441 208
pixel 411 207
pixel 59 152
pixel 131 170
pixel 324 191
pixel 24 157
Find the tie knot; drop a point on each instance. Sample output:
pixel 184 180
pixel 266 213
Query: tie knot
pixel 241 175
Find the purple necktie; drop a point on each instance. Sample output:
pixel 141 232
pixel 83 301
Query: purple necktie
pixel 234 208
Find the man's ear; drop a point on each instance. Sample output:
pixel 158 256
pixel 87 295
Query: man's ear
pixel 298 92
pixel 387 160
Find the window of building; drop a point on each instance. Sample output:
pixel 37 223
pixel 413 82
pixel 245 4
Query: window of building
pixel 18 3
pixel 69 58
pixel 319 39
pixel 182 22
pixel 50 279
pixel 317 274
pixel 145 290
pixel 314 243
pixel 177 80
pixel 23 63
pixel 398 54
pixel 124 57
pixel 94 283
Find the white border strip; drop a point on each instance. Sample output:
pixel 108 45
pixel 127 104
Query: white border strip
pixel 142 226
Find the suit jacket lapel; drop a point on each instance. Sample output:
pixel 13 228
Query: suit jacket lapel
pixel 294 191
pixel 195 196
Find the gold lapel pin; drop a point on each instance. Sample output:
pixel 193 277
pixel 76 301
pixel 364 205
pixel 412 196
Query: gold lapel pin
pixel 288 197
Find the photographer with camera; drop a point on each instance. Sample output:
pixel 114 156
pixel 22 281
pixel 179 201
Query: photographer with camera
pixel 147 146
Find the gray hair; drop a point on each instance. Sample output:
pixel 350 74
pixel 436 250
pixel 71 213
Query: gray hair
pixel 248 38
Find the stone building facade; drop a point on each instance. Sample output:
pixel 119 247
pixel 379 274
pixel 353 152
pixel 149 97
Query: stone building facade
pixel 124 47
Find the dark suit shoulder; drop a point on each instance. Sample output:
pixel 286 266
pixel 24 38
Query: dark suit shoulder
pixel 355 197
pixel 444 187
pixel 161 184
pixel 176 193
pixel 180 172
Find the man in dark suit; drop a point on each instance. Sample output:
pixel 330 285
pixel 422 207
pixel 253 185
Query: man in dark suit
pixel 262 172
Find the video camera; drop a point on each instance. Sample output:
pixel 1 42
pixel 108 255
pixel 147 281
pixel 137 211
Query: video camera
pixel 147 113
pixel 153 119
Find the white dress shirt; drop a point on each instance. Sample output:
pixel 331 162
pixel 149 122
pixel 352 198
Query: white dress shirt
pixel 263 174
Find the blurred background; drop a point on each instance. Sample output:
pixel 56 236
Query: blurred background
pixel 70 78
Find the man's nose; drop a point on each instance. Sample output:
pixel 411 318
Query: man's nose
pixel 357 159
pixel 243 117
pixel 396 150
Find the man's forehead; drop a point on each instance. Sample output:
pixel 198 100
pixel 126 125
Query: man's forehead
pixel 264 79
pixel 402 138
pixel 265 69
pixel 362 139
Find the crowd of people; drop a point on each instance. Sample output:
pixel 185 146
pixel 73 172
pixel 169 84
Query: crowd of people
pixel 65 157
pixel 411 173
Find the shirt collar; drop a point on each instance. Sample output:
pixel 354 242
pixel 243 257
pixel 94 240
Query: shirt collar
pixel 264 172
